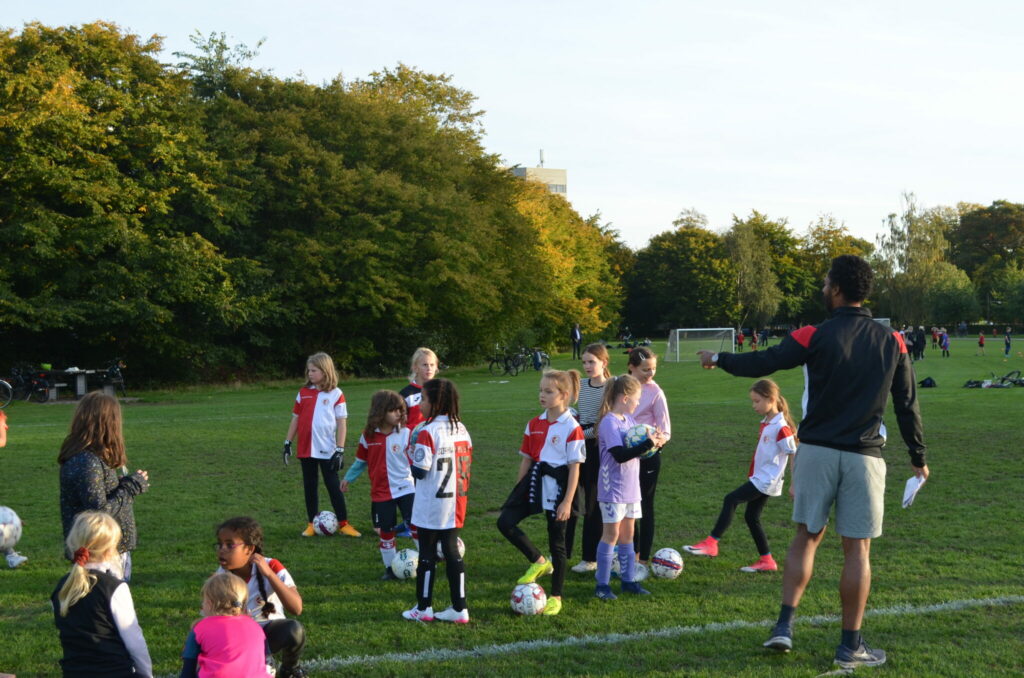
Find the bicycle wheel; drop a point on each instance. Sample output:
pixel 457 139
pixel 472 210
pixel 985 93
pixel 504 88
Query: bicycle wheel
pixel 41 393
pixel 6 393
pixel 496 368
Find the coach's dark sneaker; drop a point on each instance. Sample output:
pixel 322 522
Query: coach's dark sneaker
pixel 862 656
pixel 781 638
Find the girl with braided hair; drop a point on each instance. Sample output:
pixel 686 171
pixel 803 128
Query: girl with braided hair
pixel 271 590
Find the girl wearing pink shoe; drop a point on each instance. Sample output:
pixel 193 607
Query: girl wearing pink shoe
pixel 776 444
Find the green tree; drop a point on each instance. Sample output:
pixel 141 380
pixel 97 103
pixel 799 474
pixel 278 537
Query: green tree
pixel 757 286
pixel 825 240
pixel 986 240
pixel 682 278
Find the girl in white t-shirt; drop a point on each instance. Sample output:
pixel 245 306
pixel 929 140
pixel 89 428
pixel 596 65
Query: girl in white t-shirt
pixel 319 418
pixel 776 444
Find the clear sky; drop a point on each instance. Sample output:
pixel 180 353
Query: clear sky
pixel 791 108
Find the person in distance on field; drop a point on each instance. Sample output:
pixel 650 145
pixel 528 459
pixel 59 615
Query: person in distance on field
pixel 382 447
pixel 852 366
pixel 270 588
pixel 320 417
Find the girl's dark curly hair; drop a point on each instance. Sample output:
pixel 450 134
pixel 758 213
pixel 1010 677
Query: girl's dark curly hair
pixel 251 533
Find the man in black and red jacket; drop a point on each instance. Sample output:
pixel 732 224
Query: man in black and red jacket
pixel 852 365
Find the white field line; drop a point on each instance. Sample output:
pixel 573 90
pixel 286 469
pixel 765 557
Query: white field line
pixel 611 638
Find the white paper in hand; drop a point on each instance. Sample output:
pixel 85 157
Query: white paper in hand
pixel 914 484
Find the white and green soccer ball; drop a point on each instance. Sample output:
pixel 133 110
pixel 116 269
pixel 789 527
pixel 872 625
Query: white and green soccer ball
pixel 404 563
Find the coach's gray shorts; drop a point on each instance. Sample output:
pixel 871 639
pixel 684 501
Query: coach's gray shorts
pixel 855 483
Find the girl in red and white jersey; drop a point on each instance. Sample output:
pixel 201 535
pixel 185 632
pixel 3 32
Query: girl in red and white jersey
pixel 271 590
pixel 382 451
pixel 776 444
pixel 422 368
pixel 552 451
pixel 320 417
pixel 441 458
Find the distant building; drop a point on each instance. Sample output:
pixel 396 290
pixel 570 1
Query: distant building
pixel 554 179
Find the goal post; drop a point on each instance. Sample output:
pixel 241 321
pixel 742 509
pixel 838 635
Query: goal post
pixel 683 343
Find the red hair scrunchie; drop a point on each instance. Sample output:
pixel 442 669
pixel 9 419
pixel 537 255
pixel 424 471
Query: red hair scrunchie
pixel 82 556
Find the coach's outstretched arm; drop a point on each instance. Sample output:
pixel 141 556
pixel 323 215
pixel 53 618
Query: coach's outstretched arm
pixel 789 353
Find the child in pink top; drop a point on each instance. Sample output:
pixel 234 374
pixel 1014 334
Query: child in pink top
pixel 226 642
pixel 652 410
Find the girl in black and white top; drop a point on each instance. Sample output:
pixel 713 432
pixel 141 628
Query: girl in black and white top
pixel 595 366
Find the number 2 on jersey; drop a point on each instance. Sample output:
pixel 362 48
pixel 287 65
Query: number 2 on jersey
pixel 462 483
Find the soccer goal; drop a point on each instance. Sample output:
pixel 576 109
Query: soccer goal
pixel 684 343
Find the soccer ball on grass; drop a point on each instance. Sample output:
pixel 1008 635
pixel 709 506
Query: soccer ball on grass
pixel 325 523
pixel 404 563
pixel 10 528
pixel 528 599
pixel 667 564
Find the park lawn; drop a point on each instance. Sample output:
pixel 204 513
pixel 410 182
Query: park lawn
pixel 215 452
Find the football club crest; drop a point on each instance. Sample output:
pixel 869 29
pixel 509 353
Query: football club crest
pixel 555 440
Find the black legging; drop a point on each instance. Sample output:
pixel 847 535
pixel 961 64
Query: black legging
pixel 331 480
pixel 591 512
pixel 508 523
pixel 755 500
pixel 643 535
pixel 426 569
pixel 287 637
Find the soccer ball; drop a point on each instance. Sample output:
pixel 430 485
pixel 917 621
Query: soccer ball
pixel 640 572
pixel 10 528
pixel 404 563
pixel 528 599
pixel 325 523
pixel 462 549
pixel 667 564
pixel 636 435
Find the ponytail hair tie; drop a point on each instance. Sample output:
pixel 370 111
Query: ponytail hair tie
pixel 236 603
pixel 82 556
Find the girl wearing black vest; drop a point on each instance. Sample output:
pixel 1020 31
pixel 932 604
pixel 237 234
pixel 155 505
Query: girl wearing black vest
pixel 93 608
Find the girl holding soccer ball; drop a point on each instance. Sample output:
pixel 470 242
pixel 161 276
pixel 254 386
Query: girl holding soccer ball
pixel 552 450
pixel 320 417
pixel 441 459
pixel 93 608
pixel 653 411
pixel 776 444
pixel 618 493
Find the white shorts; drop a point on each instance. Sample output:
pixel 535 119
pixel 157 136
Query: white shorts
pixel 613 512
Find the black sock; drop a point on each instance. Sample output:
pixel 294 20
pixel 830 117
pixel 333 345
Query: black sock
pixel 851 639
pixel 786 613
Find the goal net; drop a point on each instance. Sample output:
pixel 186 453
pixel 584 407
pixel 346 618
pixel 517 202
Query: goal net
pixel 684 343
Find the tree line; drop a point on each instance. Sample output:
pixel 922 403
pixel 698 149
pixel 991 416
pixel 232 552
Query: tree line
pixel 207 220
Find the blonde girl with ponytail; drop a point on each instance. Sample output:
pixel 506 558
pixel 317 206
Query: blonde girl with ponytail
pixel 775 450
pixel 93 608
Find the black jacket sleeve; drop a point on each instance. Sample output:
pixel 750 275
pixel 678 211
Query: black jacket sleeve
pixel 782 356
pixel 623 454
pixel 417 472
pixel 908 414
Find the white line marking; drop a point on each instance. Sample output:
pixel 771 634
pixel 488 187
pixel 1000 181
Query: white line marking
pixel 609 638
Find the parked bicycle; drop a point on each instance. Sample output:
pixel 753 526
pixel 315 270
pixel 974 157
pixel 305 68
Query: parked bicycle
pixel 28 383
pixel 503 363
pixel 6 394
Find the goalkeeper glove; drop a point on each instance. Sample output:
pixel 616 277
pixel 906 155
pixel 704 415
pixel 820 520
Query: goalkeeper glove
pixel 338 459
pixel 286 454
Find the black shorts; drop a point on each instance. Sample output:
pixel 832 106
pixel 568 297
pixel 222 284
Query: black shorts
pixel 383 513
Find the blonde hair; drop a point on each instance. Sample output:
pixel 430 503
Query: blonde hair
pixel 600 351
pixel 419 354
pixel 96 427
pixel 225 593
pixel 97 532
pixel 766 388
pixel 566 381
pixel 323 362
pixel 615 389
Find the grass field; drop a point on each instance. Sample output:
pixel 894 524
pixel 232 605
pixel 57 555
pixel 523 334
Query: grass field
pixel 215 452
